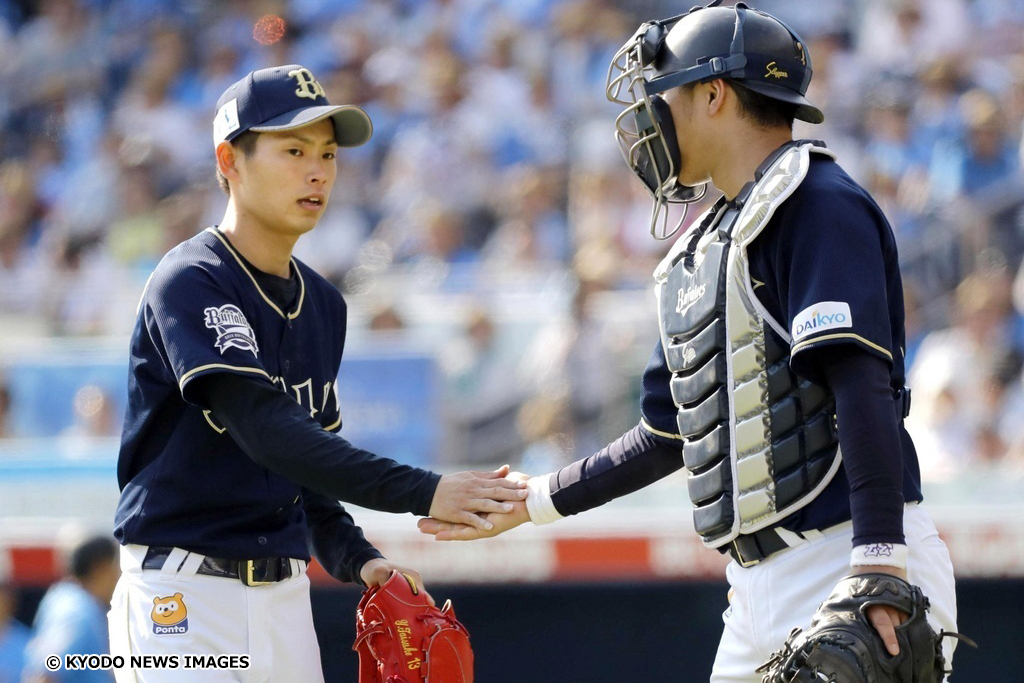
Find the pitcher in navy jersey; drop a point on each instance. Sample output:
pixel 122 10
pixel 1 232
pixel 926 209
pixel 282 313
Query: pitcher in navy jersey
pixel 231 467
pixel 778 378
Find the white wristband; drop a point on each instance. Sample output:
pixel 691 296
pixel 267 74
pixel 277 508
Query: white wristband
pixel 879 554
pixel 538 500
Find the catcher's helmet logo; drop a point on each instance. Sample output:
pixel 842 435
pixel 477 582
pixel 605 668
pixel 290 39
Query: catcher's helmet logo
pixel 232 329
pixel 774 70
pixel 309 87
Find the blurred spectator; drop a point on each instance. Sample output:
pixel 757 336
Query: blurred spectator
pixel 6 429
pixel 94 414
pixel 61 48
pixel 531 220
pixel 386 319
pixel 72 617
pixel 483 392
pixel 20 213
pixel 136 238
pixel 545 425
pixel 586 34
pixel 571 359
pixel 897 36
pixel 985 156
pixel 149 117
pixel 894 166
pixel 950 375
pixel 14 635
pixel 1004 402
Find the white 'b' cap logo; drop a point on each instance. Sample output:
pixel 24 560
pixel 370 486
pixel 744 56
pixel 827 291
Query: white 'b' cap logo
pixel 308 86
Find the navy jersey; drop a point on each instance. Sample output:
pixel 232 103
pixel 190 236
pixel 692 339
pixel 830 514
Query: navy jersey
pixel 184 480
pixel 826 270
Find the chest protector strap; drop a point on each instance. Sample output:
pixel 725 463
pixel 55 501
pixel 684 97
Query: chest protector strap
pixel 759 442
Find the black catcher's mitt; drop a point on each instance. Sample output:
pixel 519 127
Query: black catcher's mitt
pixel 842 646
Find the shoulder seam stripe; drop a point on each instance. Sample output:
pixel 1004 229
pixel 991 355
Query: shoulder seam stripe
pixel 843 335
pixel 188 375
pixel 302 292
pixel 656 432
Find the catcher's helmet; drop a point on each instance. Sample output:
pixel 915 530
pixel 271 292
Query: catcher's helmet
pixel 738 43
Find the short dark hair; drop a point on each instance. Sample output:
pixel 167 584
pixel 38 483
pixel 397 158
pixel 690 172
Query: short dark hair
pixel 764 111
pixel 244 143
pixel 90 554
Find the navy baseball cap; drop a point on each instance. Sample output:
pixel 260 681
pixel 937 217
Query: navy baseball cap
pixel 283 98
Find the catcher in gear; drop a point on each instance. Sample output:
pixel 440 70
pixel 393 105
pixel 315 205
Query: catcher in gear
pixel 402 637
pixel 778 379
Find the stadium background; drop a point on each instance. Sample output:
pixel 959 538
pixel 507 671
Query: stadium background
pixel 493 250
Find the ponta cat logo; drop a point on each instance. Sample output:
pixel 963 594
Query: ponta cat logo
pixel 169 615
pixel 824 315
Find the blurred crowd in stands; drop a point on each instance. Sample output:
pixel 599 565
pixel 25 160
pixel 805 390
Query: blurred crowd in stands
pixel 491 213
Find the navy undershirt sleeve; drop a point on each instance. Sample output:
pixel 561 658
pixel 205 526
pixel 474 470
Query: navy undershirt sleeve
pixel 277 433
pixel 334 539
pixel 631 462
pixel 869 438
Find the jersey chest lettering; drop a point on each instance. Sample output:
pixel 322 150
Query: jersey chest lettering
pixel 311 395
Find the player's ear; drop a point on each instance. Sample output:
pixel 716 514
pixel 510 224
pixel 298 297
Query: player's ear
pixel 227 160
pixel 714 95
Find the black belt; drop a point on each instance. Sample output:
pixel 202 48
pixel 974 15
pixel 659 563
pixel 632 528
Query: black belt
pixel 749 549
pixel 250 572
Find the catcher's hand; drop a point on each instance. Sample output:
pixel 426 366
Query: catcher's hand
pixel 842 646
pixel 401 637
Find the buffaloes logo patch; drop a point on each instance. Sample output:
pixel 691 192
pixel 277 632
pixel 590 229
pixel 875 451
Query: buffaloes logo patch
pixel 232 329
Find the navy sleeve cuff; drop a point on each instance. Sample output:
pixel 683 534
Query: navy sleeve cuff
pixel 631 462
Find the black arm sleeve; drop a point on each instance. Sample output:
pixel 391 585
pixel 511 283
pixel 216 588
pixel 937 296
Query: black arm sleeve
pixel 869 438
pixel 279 434
pixel 631 462
pixel 335 540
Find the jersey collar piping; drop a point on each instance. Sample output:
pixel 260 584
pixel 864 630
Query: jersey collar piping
pixel 302 283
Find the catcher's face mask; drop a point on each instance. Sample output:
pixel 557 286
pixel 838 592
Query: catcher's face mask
pixel 644 129
pixel 737 43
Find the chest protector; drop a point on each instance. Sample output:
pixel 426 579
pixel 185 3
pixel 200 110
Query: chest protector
pixel 759 441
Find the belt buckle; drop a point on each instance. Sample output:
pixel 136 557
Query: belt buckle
pixel 247 577
pixel 739 555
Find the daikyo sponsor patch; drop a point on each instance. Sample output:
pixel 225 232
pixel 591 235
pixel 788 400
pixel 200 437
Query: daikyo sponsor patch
pixel 824 315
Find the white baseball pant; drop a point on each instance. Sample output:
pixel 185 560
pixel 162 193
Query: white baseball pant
pixel 769 599
pixel 175 611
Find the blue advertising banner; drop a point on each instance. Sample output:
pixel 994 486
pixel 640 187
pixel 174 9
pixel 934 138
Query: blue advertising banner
pixel 390 404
